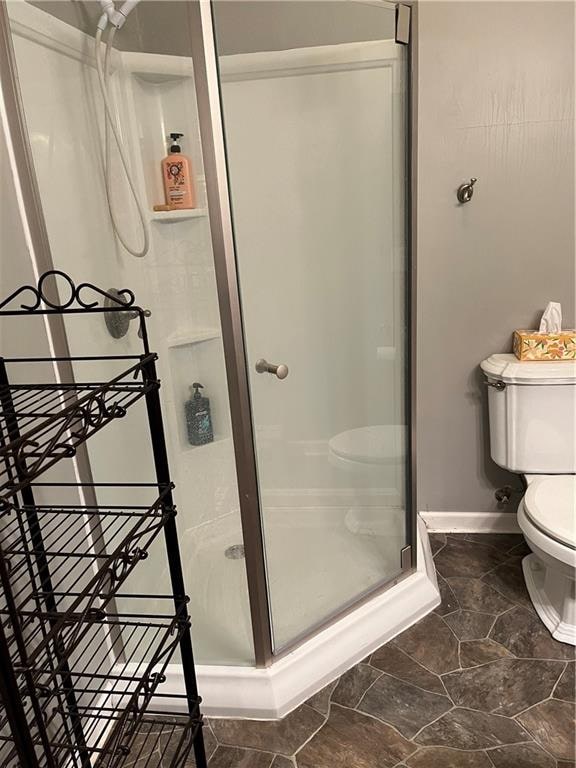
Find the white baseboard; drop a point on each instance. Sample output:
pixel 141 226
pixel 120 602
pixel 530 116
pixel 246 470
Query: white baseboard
pixel 269 694
pixel 471 522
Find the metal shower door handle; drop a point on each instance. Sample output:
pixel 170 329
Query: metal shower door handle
pixel 280 371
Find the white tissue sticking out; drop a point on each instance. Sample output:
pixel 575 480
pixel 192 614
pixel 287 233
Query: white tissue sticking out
pixel 551 318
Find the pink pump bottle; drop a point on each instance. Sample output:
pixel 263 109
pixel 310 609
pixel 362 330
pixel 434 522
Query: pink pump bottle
pixel 177 177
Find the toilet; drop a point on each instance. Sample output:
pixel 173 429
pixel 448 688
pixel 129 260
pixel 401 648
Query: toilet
pixel 532 412
pixel 368 448
pixel 375 456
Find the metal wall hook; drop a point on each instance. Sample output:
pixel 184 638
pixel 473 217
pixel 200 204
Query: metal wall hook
pixel 465 191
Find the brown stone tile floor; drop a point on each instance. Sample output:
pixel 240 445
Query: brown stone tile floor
pixel 478 683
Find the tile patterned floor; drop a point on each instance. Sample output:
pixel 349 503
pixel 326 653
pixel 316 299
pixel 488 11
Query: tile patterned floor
pixel 478 683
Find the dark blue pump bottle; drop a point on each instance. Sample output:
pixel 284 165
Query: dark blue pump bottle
pixel 198 418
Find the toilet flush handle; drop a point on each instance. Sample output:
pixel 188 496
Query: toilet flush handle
pixel 499 385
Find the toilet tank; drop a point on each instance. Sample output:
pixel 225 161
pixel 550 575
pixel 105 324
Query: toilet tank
pixel 532 411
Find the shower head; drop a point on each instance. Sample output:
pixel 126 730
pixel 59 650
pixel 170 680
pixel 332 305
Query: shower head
pixel 115 17
pixel 127 8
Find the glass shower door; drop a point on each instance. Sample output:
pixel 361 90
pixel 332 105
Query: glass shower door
pixel 313 100
pixel 152 92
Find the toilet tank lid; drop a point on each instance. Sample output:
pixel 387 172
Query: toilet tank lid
pixel 509 369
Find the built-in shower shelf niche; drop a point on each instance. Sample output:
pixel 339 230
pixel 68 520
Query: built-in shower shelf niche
pixel 198 356
pixel 197 336
pixel 163 97
pixel 167 217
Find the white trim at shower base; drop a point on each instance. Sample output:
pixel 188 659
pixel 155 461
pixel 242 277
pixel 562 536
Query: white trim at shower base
pixel 269 694
pixel 471 522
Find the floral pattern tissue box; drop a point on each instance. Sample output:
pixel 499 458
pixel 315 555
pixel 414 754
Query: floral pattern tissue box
pixel 533 345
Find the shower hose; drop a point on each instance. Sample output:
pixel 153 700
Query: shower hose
pixel 103 70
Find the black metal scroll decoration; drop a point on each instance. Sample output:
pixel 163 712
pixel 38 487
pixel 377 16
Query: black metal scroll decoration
pixel 77 425
pixel 89 607
pixel 60 434
pixel 124 298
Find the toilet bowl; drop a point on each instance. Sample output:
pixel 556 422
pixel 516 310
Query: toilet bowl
pixel 547 518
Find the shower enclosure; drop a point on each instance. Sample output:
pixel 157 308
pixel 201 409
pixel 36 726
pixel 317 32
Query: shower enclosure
pixel 285 293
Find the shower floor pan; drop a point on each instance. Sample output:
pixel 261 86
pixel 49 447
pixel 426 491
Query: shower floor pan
pixel 302 546
pixel 316 564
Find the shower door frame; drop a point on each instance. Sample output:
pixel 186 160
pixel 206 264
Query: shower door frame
pixel 207 84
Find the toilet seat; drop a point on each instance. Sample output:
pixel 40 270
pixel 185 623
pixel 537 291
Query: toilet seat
pixel 549 573
pixel 382 444
pixel 550 504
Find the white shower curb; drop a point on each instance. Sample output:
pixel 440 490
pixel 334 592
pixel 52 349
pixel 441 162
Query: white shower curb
pixel 246 692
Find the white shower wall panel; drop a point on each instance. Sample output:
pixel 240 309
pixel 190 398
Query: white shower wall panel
pixel 175 280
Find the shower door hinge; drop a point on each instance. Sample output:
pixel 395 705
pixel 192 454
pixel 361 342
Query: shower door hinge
pixel 403 13
pixel 406 558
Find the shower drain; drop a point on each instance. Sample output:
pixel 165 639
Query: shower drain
pixel 235 552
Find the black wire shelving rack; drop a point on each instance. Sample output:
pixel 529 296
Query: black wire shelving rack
pixel 83 658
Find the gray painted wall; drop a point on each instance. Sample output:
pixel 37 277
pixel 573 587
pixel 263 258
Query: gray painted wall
pixel 496 100
pixel 155 26
pixel 82 14
pixel 243 26
pixel 274 25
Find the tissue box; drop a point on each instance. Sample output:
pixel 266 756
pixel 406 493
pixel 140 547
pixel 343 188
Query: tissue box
pixel 533 345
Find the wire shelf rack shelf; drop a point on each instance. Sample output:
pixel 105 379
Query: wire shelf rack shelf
pixel 85 656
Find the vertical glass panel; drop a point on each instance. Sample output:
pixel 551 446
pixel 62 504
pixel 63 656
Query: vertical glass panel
pixel 151 93
pixel 314 115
